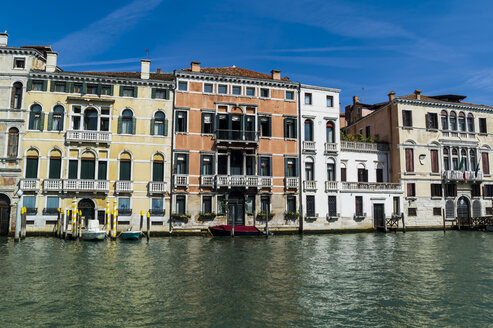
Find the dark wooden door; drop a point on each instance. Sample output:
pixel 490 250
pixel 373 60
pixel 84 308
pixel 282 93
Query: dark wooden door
pixel 4 215
pixel 236 213
pixel 378 215
pixel 463 208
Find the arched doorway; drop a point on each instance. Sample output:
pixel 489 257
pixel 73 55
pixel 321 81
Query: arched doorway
pixel 236 208
pixel 86 206
pixel 463 208
pixel 4 215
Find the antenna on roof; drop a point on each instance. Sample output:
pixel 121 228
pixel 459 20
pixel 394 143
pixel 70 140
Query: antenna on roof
pixel 147 53
pixel 363 93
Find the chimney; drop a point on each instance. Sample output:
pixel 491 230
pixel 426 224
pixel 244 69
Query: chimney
pixel 145 69
pixel 391 95
pixel 355 100
pixel 418 94
pixel 195 66
pixel 4 37
pixel 51 58
pixel 158 71
pixel 276 74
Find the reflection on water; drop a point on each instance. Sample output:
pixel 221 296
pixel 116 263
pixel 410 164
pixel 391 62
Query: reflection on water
pixel 412 279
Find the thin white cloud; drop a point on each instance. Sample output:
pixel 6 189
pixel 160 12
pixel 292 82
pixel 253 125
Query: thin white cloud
pixel 101 35
pixel 322 49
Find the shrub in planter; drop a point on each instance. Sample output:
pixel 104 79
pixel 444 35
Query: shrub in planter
pixel 207 216
pixel 261 216
pixel 292 215
pixel 180 217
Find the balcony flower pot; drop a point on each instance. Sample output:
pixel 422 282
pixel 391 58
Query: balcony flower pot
pixel 292 216
pixel 180 217
pixel 207 216
pixel 262 216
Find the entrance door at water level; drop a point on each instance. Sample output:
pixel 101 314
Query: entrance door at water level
pixel 463 208
pixel 86 206
pixel 378 215
pixel 4 215
pixel 236 213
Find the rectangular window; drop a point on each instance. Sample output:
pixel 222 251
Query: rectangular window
pixel 407 118
pixel 436 189
pixel 486 163
pixel 128 92
pixel 250 204
pixel 331 172
pixel 476 190
pixel 180 205
pixel 265 204
pixel 207 165
pixel 19 62
pixel 482 125
pixel 411 211
pixel 291 204
pixel 106 90
pixel 434 160
pixel 308 98
pixel 265 126
pixel 157 170
pixel 222 89
pixel 237 90
pixel 411 190
pixel 437 211
pixel 181 163
pixel 207 204
pixel 29 202
pixel 450 190
pixel 78 87
pixel 290 128
pixel 208 87
pixel 367 131
pixel 362 175
pixel 265 168
pixel 102 167
pixel 250 92
pixel 157 205
pixel 409 160
pixel 343 174
pixel 489 210
pixel 92 89
pixel 310 206
pixel 181 121
pixel 123 204
pixel 73 165
pixel 358 205
pixel 221 205
pixel 379 175
pixel 330 101
pixel 488 190
pixel 55 167
pixel 289 95
pixel 396 205
pixel 60 87
pixel 332 206
pixel 32 167
pixel 125 170
pixel 52 202
pixel 182 86
pixel 264 93
pixel 207 123
pixel 291 167
pixel 432 121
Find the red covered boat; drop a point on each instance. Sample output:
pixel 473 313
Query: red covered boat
pixel 239 230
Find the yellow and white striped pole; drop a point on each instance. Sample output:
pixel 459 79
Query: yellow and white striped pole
pixel 108 217
pixel 74 218
pixel 115 215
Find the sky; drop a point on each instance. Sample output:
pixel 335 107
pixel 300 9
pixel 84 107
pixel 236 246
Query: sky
pixel 364 48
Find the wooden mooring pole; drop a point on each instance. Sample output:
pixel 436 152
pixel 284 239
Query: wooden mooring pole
pixel 443 217
pixel 23 223
pixel 403 222
pixel 148 234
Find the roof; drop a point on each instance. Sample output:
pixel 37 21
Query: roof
pixel 130 75
pixel 235 71
pixel 441 99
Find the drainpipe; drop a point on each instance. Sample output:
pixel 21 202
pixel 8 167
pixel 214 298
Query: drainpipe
pixel 300 161
pixel 172 187
pixel 18 216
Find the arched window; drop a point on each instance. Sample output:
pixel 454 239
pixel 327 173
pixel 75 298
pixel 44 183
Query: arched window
pixel 446 159
pixel 331 170
pixel 126 122
pixel 470 122
pixel 55 123
pixel 463 160
pixel 453 121
pixel 36 118
pixel 55 164
pixel 158 124
pixel 308 130
pixel 362 173
pixel 329 131
pixel 16 102
pixel 472 158
pixel 158 168
pixel 13 143
pixel 88 166
pixel 309 169
pixel 444 120
pixel 462 121
pixel 455 159
pixel 125 167
pixel 91 119
pixel 32 160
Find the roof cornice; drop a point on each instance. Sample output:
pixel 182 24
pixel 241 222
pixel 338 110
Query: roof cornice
pixel 22 51
pixel 235 79
pixel 442 104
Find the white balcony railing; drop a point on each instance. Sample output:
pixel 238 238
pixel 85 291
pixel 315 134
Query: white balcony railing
pixel 244 181
pixel 53 185
pixel 371 186
pixel 364 146
pixel 462 176
pixel 207 180
pixel 292 183
pixel 181 180
pixel 308 145
pixel 265 182
pixel 330 147
pixel 30 184
pixel 88 136
pixel 124 186
pixel 157 187
pixel 78 185
pixel 310 185
pixel 331 185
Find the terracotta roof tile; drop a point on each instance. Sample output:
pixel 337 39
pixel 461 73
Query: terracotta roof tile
pixel 235 71
pixel 428 98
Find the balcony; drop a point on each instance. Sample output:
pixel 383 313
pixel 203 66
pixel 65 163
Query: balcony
pixel 242 181
pixel 467 176
pixel 124 186
pixel 157 187
pixel 330 147
pixel 181 180
pixel 207 180
pixel 94 137
pixel 30 185
pixel 371 187
pixel 310 185
pixel 331 186
pixel 237 137
pixel 80 185
pixel 291 183
pixel 308 146
pixel 53 185
pixel 265 182
pixel 364 146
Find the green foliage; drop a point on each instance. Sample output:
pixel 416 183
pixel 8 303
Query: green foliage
pixel 292 215
pixel 370 139
pixel 261 216
pixel 360 137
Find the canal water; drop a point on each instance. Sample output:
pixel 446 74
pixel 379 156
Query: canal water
pixel 417 279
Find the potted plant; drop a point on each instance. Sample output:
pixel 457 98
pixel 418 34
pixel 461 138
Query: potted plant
pixel 291 215
pixel 262 216
pixel 183 217
pixel 207 216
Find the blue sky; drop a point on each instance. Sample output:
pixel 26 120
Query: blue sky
pixel 365 48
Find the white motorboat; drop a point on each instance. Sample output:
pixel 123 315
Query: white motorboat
pixel 93 232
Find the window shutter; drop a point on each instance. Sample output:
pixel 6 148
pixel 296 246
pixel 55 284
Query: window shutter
pixel 136 90
pixel 201 164
pixel 70 87
pixel 121 90
pixel 41 121
pixel 134 125
pixel 296 167
pixel 29 85
pixel 52 85
pixel 213 164
pixel 427 120
pixel 31 120
pixel 67 87
pixel 270 126
pixel 84 88
pixel 166 127
pixel 409 190
pixel 365 175
pixel 62 121
pixel 410 118
pixel 119 124
pixel 186 164
pixel 202 123
pixel 166 94
pixel 50 121
pixel 295 129
pixel 45 85
pixel 152 126
pixel 112 90
pixel 270 166
pixel 285 166
pixel 153 93
pixel 99 89
pixel 286 134
pixel 175 163
pixel 259 169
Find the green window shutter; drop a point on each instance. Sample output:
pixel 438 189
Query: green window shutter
pixel 286 167
pixel 134 125
pixel 166 127
pixel 153 93
pixel 45 85
pixel 99 89
pixel 136 90
pixel 62 121
pixel 112 89
pixel 50 121
pixel 29 86
pixel 152 126
pixel 121 90
pixel 201 164
pixel 42 122
pixel 52 86
pixel 286 134
pixel 166 96
pixel 67 87
pixel 72 169
pixel 70 87
pixel 84 88
pixel 186 164
pixel 31 121
pixel 119 124
pixel 102 168
pixel 270 166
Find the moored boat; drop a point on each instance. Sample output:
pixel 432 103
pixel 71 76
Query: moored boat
pixel 239 230
pixel 93 232
pixel 131 235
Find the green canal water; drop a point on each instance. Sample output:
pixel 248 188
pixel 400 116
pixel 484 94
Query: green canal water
pixel 417 279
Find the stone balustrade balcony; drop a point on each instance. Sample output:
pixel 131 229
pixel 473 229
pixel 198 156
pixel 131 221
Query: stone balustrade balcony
pixel 29 185
pixel 467 176
pixel 93 137
pixel 124 186
pixel 156 187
